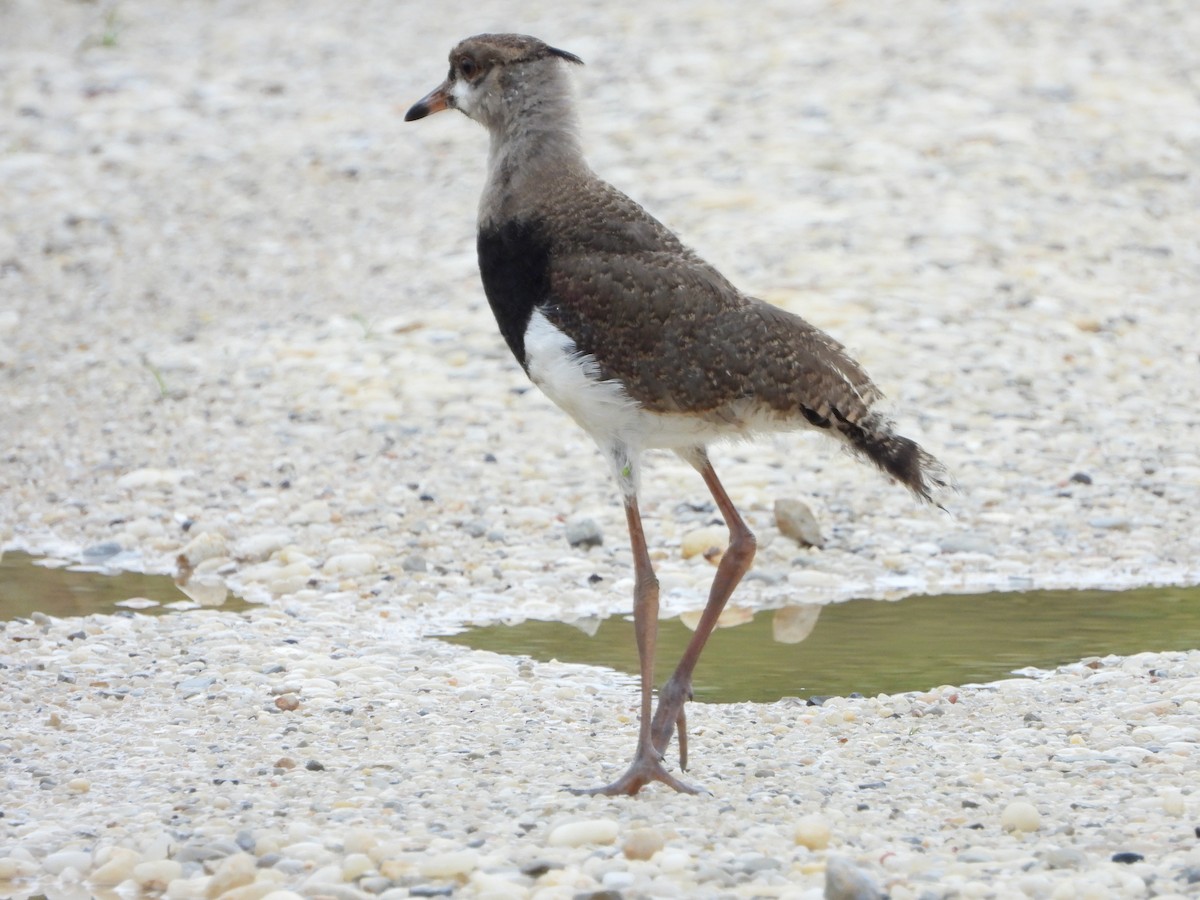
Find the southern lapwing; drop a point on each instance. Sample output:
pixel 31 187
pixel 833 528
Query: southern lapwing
pixel 639 340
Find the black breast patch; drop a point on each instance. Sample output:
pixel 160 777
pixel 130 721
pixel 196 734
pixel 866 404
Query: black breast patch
pixel 514 262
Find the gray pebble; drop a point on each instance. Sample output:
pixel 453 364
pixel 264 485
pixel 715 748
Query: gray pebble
pixel 197 684
pixel 374 884
pixel 198 852
pixel 797 521
pixel 846 881
pixel 967 543
pixel 414 563
pixel 760 864
pixel 102 551
pixel 430 890
pixel 1064 858
pixel 584 533
pixel 976 855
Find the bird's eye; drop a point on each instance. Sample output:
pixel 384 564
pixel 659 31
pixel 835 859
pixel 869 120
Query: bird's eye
pixel 468 67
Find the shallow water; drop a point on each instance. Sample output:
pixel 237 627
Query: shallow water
pixel 875 646
pixel 27 587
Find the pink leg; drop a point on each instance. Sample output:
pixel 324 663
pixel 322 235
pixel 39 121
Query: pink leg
pixel 647 761
pixel 735 563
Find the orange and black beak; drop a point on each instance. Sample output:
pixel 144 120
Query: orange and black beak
pixel 435 101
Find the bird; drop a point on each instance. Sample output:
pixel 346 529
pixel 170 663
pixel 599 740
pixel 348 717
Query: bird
pixel 643 343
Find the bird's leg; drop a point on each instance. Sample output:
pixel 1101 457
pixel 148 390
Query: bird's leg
pixel 734 564
pixel 647 761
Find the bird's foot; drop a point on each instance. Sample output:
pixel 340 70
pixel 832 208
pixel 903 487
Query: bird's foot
pixel 670 717
pixel 643 770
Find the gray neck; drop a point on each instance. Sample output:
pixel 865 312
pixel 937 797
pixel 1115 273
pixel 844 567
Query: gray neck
pixel 534 137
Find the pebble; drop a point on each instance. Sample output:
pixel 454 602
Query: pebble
pixel 643 843
pixel 846 881
pixel 587 831
pixel 1111 523
pixel 813 832
pixel 414 562
pixel 201 851
pixel 1064 858
pixel 355 865
pixel 795 520
pixel 101 551
pixel 12 869
pixel 116 865
pixel 1127 857
pixel 201 548
pixel 192 687
pixel 232 872
pixel 967 543
pixel 155 875
pixel 1173 802
pixel 583 532
pixel 351 564
pixel 57 863
pixel 709 542
pixel 449 865
pixel 1020 815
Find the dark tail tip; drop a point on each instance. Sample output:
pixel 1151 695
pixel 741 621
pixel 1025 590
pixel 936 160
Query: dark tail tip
pixel 900 457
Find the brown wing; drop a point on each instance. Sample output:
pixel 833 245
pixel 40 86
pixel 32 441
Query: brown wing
pixel 673 329
pixel 682 339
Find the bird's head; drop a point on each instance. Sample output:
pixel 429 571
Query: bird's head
pixel 493 76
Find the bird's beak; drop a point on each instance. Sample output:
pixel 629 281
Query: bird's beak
pixel 435 101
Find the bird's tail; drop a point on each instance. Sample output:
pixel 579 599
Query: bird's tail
pixel 874 438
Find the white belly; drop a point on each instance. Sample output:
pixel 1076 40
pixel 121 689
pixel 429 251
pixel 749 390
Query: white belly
pixel 606 411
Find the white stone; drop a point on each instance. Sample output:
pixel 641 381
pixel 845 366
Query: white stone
pixel 709 542
pixel 232 872
pixel 12 869
pixel 448 865
pixel 156 874
pixel 350 564
pixel 355 865
pixel 813 832
pixel 57 863
pixel 642 843
pixel 1020 815
pixel 115 865
pixel 586 831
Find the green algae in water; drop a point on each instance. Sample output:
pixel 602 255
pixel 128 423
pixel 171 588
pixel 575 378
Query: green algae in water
pixel 876 646
pixel 26 588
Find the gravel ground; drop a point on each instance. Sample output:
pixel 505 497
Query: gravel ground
pixel 240 321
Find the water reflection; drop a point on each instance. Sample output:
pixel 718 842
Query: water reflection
pixel 875 646
pixel 54 588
